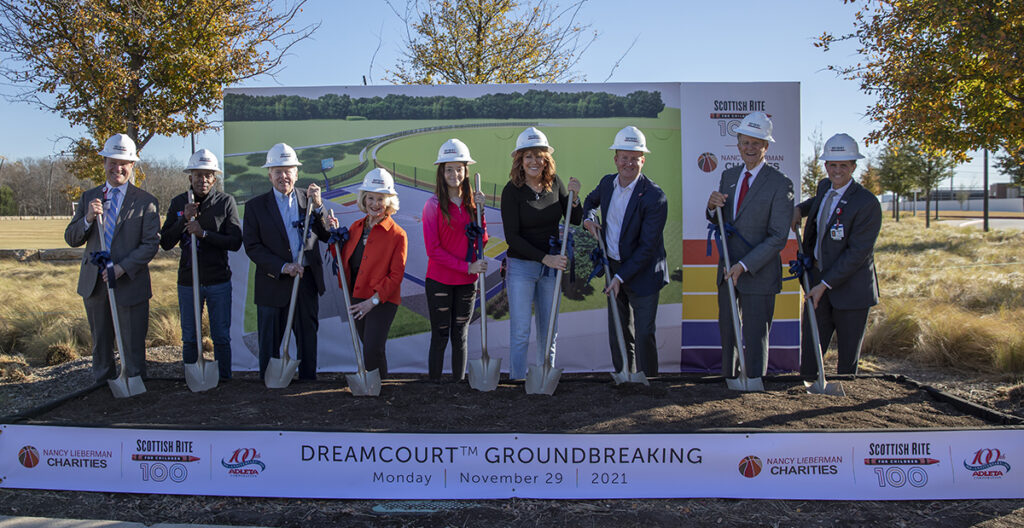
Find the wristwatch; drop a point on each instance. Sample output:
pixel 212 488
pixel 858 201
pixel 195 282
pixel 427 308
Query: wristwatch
pixel 375 300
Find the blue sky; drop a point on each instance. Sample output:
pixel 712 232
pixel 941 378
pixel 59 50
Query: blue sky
pixel 676 41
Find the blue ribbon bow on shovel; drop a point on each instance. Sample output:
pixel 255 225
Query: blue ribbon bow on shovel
pixel 339 235
pixel 475 234
pixel 103 261
pixel 798 267
pixel 598 260
pixel 555 247
pixel 729 231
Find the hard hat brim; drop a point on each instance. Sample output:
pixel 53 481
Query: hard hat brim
pixel 754 134
pixel 272 165
pixel 188 170
pixel 123 157
pixel 629 148
pixel 841 158
pixel 467 161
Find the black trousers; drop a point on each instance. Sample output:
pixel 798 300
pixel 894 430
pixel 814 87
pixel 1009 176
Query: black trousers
pixel 134 323
pixel 373 331
pixel 637 315
pixel 451 307
pixel 271 320
pixel 847 325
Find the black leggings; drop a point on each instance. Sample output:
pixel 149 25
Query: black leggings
pixel 450 310
pixel 373 331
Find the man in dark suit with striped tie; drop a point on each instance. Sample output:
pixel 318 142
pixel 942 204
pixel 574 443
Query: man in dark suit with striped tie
pixel 757 200
pixel 130 231
pixel 843 222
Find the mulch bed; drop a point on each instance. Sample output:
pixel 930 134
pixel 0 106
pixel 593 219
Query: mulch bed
pixel 581 404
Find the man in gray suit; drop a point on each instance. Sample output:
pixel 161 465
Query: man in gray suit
pixel 130 227
pixel 843 222
pixel 759 207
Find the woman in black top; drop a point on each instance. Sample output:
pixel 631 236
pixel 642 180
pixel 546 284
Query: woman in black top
pixel 533 204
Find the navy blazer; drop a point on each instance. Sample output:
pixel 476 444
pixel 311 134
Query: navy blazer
pixel 266 245
pixel 847 264
pixel 641 239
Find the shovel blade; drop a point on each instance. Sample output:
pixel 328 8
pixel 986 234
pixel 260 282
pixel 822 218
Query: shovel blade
pixel 365 383
pixel 541 380
pixel 629 377
pixel 280 372
pixel 484 373
pixel 126 387
pixel 745 384
pixel 202 376
pixel 820 386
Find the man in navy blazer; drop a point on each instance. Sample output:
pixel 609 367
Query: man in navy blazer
pixel 633 214
pixel 273 244
pixel 757 200
pixel 843 222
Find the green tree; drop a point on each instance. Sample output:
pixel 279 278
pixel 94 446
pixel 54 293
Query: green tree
pixel 899 171
pixel 869 178
pixel 946 73
pixel 490 41
pixel 142 67
pixel 812 172
pixel 7 205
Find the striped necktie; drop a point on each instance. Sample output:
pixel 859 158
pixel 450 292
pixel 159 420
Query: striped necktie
pixel 110 219
pixel 823 217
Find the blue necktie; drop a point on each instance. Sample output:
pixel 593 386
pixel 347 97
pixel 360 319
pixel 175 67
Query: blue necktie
pixel 110 219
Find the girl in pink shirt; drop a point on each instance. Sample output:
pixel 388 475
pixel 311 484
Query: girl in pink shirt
pixel 451 238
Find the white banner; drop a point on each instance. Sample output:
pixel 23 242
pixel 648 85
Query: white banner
pixel 834 466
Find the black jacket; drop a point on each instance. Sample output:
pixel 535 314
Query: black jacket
pixel 218 215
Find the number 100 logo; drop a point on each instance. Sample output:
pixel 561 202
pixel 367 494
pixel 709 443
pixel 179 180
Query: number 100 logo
pixel 159 472
pixel 897 477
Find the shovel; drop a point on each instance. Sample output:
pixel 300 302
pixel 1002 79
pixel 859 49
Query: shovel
pixel 820 385
pixel 201 375
pixel 281 370
pixel 362 383
pixel 543 378
pixel 626 375
pixel 122 386
pixel 742 382
pixel 483 372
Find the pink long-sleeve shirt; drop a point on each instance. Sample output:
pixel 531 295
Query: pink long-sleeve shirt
pixel 447 243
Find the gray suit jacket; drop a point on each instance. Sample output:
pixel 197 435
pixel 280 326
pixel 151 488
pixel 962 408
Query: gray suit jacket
pixel 847 264
pixel 136 241
pixel 763 220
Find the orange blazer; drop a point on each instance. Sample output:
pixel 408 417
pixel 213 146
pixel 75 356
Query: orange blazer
pixel 383 264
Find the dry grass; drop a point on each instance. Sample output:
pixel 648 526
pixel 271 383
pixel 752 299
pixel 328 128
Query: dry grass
pixel 951 297
pixel 32 234
pixel 42 318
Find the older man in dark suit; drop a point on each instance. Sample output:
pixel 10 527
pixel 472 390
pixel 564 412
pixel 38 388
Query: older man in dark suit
pixel 757 200
pixel 129 229
pixel 273 242
pixel 843 222
pixel 633 214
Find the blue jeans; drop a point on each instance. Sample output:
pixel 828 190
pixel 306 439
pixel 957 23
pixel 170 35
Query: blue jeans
pixel 218 307
pixel 528 288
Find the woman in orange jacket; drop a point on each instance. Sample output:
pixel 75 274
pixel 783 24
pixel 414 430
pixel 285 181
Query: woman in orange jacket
pixel 374 262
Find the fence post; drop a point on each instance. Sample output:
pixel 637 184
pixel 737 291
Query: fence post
pixel 494 196
pixel 415 178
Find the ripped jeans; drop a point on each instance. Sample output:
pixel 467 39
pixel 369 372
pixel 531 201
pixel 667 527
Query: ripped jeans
pixel 450 307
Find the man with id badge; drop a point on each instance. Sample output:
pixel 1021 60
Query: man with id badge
pixel 843 221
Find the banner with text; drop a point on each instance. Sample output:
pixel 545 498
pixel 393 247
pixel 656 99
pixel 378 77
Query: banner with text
pixel 840 466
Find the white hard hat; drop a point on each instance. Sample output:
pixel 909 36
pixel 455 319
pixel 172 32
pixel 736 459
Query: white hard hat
pixel 203 160
pixel 630 138
pixel 756 125
pixel 453 150
pixel 119 147
pixel 841 147
pixel 532 138
pixel 281 155
pixel 378 181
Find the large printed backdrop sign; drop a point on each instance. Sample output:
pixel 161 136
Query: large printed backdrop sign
pixel 868 465
pixel 341 133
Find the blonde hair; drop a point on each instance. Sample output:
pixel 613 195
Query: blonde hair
pixel 518 176
pixel 390 203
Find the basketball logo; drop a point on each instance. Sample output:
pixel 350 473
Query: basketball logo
pixel 28 456
pixel 750 466
pixel 707 162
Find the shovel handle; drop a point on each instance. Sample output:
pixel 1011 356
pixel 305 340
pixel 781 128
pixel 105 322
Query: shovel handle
pixel 196 305
pixel 480 281
pixel 732 295
pixel 112 300
pixel 549 360
pixel 616 318
pixel 812 320
pixel 286 340
pixel 357 347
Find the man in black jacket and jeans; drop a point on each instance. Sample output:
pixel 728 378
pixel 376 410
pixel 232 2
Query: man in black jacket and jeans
pixel 212 217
